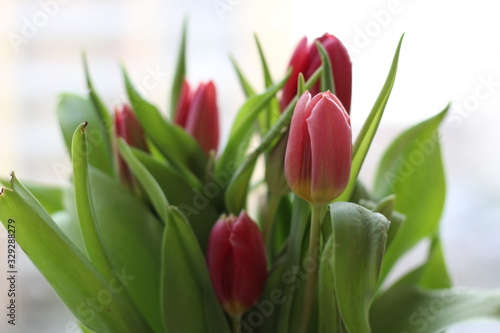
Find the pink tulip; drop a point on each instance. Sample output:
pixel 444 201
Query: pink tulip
pixel 198 114
pixel 306 60
pixel 236 259
pixel 318 154
pixel 128 127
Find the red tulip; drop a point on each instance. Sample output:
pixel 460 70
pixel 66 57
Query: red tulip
pixel 306 60
pixel 128 127
pixel 318 154
pixel 198 114
pixel 236 259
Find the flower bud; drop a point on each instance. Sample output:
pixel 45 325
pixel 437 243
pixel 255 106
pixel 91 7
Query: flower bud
pixel 198 114
pixel 236 259
pixel 128 127
pixel 318 153
pixel 306 60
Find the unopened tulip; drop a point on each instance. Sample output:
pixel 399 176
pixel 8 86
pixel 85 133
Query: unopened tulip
pixel 236 259
pixel 306 60
pixel 128 127
pixel 198 114
pixel 318 153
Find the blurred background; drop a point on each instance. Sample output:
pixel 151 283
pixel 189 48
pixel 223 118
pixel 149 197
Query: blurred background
pixel 451 53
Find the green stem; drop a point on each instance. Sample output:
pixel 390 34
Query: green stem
pixel 236 325
pixel 312 277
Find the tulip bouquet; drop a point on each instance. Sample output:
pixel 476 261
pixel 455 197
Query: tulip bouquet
pixel 156 232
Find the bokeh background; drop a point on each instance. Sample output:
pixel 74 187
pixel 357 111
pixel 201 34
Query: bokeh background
pixel 451 53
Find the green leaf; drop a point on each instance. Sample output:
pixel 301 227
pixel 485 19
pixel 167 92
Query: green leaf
pixel 327 82
pixel 195 204
pixel 414 310
pixel 147 181
pixel 104 117
pixel 273 110
pixel 412 168
pixel 265 68
pixel 435 274
pixel 70 273
pixel 241 131
pixel 132 237
pixel 329 316
pixel 359 237
pixel 50 196
pixel 188 300
pixel 367 133
pixel 72 111
pixel 84 206
pixel 179 148
pixel 248 90
pixel 236 192
pixel 180 73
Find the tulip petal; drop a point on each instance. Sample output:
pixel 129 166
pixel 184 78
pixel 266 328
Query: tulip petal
pixel 181 115
pixel 219 249
pixel 342 68
pixel 250 268
pixel 203 120
pixel 298 64
pixel 331 145
pixel 297 140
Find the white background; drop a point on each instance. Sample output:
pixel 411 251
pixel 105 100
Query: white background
pixel 450 48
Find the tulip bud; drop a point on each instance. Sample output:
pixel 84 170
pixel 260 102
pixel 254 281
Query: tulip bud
pixel 306 60
pixel 128 127
pixel 318 153
pixel 198 114
pixel 236 259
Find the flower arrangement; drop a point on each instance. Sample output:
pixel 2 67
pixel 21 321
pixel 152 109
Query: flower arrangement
pixel 154 234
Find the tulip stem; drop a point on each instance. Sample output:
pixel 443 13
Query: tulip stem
pixel 312 276
pixel 236 325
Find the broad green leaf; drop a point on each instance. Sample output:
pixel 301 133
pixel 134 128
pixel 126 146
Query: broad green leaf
pixel 327 82
pixel 180 73
pixel 73 277
pixel 369 129
pixel 271 300
pixel 195 204
pixel 147 181
pixel 413 310
pixel 74 110
pixel 102 111
pixel 329 320
pixel 435 274
pixel 124 249
pixel 236 192
pixel 432 274
pixel 188 300
pixel 50 196
pixel 281 226
pixel 359 237
pixel 412 168
pixel 84 205
pixel 132 237
pixel 248 90
pixel 179 148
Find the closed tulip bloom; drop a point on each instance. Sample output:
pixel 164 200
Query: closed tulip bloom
pixel 128 127
pixel 198 114
pixel 237 263
pixel 306 60
pixel 319 148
